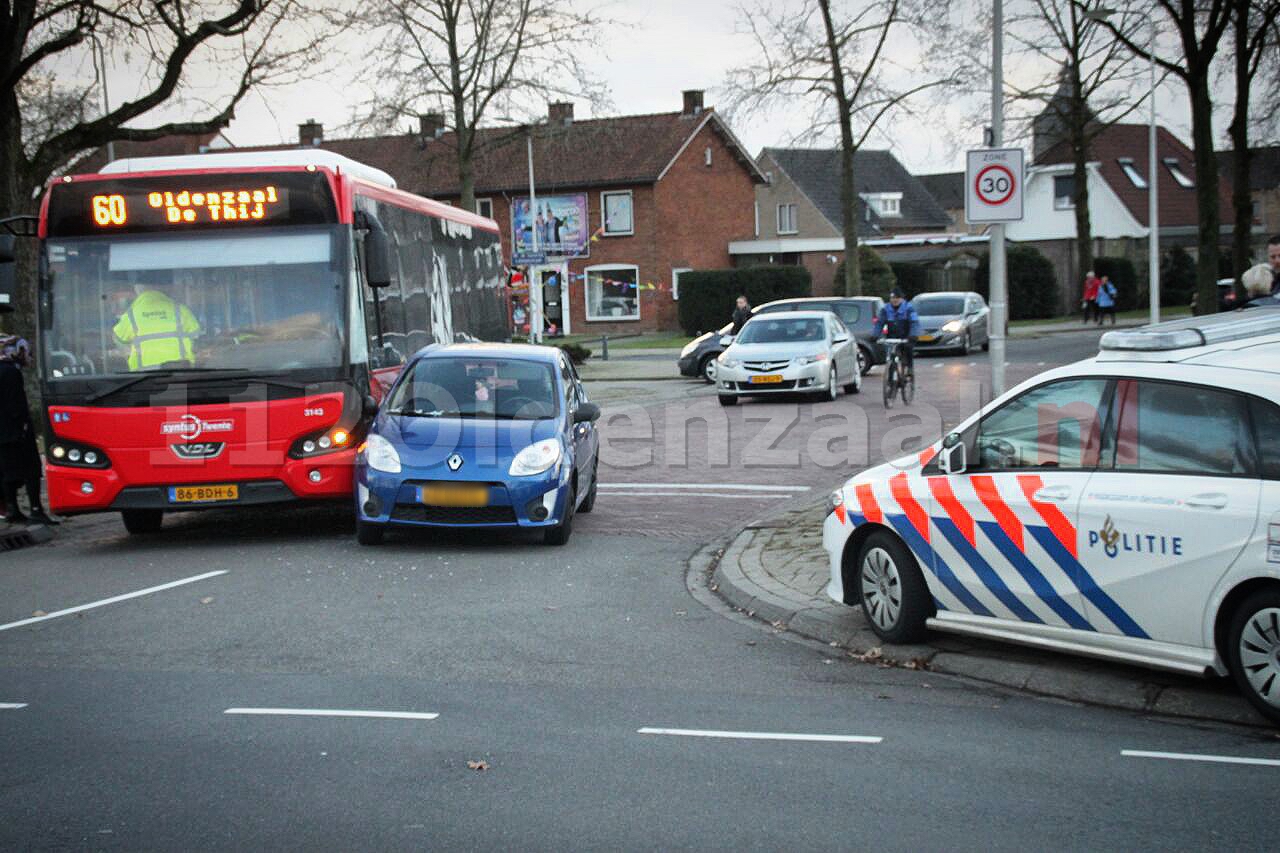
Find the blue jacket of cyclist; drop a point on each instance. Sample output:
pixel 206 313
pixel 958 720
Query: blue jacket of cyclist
pixel 898 319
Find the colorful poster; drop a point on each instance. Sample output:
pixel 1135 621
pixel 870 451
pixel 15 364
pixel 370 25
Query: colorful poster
pixel 560 222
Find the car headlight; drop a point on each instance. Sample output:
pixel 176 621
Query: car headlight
pixel 727 362
pixel 536 458
pixel 380 455
pixel 953 326
pixel 834 500
pixel 811 359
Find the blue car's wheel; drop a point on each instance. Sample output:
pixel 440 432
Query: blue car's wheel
pixel 589 502
pixel 559 534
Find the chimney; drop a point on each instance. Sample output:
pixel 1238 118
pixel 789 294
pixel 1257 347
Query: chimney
pixel 310 133
pixel 430 125
pixel 560 113
pixel 692 102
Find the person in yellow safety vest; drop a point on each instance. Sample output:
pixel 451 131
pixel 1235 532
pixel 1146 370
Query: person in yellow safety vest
pixel 157 330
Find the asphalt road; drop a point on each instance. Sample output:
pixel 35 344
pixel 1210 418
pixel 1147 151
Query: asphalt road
pixel 544 665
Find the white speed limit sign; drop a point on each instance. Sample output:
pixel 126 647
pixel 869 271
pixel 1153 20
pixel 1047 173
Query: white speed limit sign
pixel 993 185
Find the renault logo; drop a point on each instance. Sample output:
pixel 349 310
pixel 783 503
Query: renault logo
pixel 455 462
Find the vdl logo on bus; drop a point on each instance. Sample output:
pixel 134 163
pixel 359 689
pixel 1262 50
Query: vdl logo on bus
pixel 191 427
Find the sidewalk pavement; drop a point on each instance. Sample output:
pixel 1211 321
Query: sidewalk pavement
pixel 776 570
pixel 1035 330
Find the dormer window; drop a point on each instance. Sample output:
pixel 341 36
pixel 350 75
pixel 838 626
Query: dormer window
pixel 886 205
pixel 1064 192
pixel 1171 163
pixel 1131 172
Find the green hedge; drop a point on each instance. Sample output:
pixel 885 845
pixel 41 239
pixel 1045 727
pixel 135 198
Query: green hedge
pixel 1124 276
pixel 912 278
pixel 707 296
pixel 1177 277
pixel 878 277
pixel 1033 283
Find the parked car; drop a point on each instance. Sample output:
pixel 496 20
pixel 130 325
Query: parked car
pixel 1123 507
pixel 858 313
pixel 698 358
pixel 787 351
pixel 480 435
pixel 952 320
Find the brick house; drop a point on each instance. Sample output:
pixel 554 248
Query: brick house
pixel 679 188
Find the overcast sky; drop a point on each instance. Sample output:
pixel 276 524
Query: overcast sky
pixel 668 46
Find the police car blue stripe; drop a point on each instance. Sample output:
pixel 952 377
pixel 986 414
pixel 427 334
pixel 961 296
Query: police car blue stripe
pixel 983 570
pixel 940 569
pixel 1086 584
pixel 1042 588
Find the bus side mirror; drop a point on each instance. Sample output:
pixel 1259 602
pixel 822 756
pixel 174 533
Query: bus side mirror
pixel 377 253
pixel 952 458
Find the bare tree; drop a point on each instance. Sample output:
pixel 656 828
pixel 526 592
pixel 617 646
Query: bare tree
pixel 476 60
pixel 1200 26
pixel 46 115
pixel 1252 24
pixel 840 67
pixel 1086 87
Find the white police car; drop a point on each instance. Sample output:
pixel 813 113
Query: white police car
pixel 1126 507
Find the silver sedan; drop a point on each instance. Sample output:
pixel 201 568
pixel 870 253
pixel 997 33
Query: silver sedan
pixel 789 351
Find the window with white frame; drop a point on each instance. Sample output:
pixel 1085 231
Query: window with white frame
pixel 616 211
pixel 887 205
pixel 675 281
pixel 484 207
pixel 1175 169
pixel 1064 192
pixel 755 211
pixel 613 292
pixel 786 219
pixel 1131 172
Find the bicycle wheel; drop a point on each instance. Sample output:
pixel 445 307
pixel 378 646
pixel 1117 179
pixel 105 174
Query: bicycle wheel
pixel 890 382
pixel 908 387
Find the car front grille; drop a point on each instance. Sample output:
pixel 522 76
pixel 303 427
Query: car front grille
pixel 425 514
pixel 766 366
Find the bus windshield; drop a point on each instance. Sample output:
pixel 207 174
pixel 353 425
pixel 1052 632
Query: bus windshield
pixel 259 300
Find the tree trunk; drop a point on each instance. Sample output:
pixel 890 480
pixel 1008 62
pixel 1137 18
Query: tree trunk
pixel 1241 198
pixel 848 191
pixel 466 172
pixel 1080 173
pixel 1207 201
pixel 16 198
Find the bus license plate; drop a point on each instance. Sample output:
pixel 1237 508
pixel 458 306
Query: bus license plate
pixel 454 495
pixel 766 379
pixel 203 494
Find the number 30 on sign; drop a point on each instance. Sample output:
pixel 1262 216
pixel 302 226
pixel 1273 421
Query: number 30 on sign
pixel 993 185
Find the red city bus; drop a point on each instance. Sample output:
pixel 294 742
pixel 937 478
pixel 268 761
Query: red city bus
pixel 309 279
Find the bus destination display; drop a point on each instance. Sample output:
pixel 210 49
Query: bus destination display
pixel 160 203
pixel 247 204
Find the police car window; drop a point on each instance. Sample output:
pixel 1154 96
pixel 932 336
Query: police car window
pixel 1266 430
pixel 1185 429
pixel 1053 426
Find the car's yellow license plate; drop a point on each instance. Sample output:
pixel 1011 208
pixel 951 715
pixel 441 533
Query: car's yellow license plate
pixel 766 379
pixel 925 339
pixel 451 495
pixel 203 494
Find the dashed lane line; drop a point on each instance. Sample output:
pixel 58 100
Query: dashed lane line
pixel 737 487
pixel 331 712
pixel 115 599
pixel 12 706
pixel 713 733
pixel 1208 759
pixel 752 496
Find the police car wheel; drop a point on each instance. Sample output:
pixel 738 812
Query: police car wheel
pixel 370 534
pixel 141 521
pixel 1253 651
pixel 892 590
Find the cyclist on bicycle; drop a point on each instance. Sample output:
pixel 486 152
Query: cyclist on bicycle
pixel 898 319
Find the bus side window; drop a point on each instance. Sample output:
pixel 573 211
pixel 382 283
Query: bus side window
pixel 388 301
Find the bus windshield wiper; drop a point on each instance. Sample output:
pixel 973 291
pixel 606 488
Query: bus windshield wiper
pixel 201 374
pixel 128 383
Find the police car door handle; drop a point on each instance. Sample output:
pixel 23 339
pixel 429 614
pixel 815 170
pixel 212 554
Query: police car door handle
pixel 1208 500
pixel 1052 493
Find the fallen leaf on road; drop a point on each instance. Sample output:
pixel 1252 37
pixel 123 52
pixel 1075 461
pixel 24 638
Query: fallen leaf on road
pixel 478 765
pixel 39 613
pixel 208 599
pixel 869 655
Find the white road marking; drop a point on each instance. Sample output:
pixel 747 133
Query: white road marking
pixel 1189 756
pixel 113 600
pixel 1041 363
pixel 973 364
pixel 753 496
pixel 740 487
pixel 12 706
pixel 324 712
pixel 761 735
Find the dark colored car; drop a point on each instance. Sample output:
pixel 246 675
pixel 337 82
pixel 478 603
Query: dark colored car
pixel 952 320
pixel 859 313
pixel 698 358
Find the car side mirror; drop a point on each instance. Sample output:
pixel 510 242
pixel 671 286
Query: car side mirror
pixel 368 407
pixel 952 458
pixel 726 340
pixel 586 413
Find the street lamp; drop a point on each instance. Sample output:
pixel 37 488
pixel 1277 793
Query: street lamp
pixel 100 63
pixel 1153 177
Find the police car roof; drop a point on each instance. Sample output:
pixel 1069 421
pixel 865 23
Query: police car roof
pixel 1247 338
pixel 527 352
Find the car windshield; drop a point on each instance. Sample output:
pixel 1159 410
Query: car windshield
pixel 766 330
pixel 268 300
pixel 938 305
pixel 486 388
pixel 848 312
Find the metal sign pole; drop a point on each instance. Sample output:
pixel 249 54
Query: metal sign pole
pixel 997 290
pixel 535 272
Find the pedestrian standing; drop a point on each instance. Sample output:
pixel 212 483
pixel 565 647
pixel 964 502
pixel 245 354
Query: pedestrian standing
pixel 19 459
pixel 741 314
pixel 1106 300
pixel 1090 298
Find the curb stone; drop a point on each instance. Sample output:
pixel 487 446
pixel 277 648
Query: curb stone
pixel 740 577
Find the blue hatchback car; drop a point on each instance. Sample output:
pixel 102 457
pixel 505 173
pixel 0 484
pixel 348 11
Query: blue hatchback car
pixel 480 435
